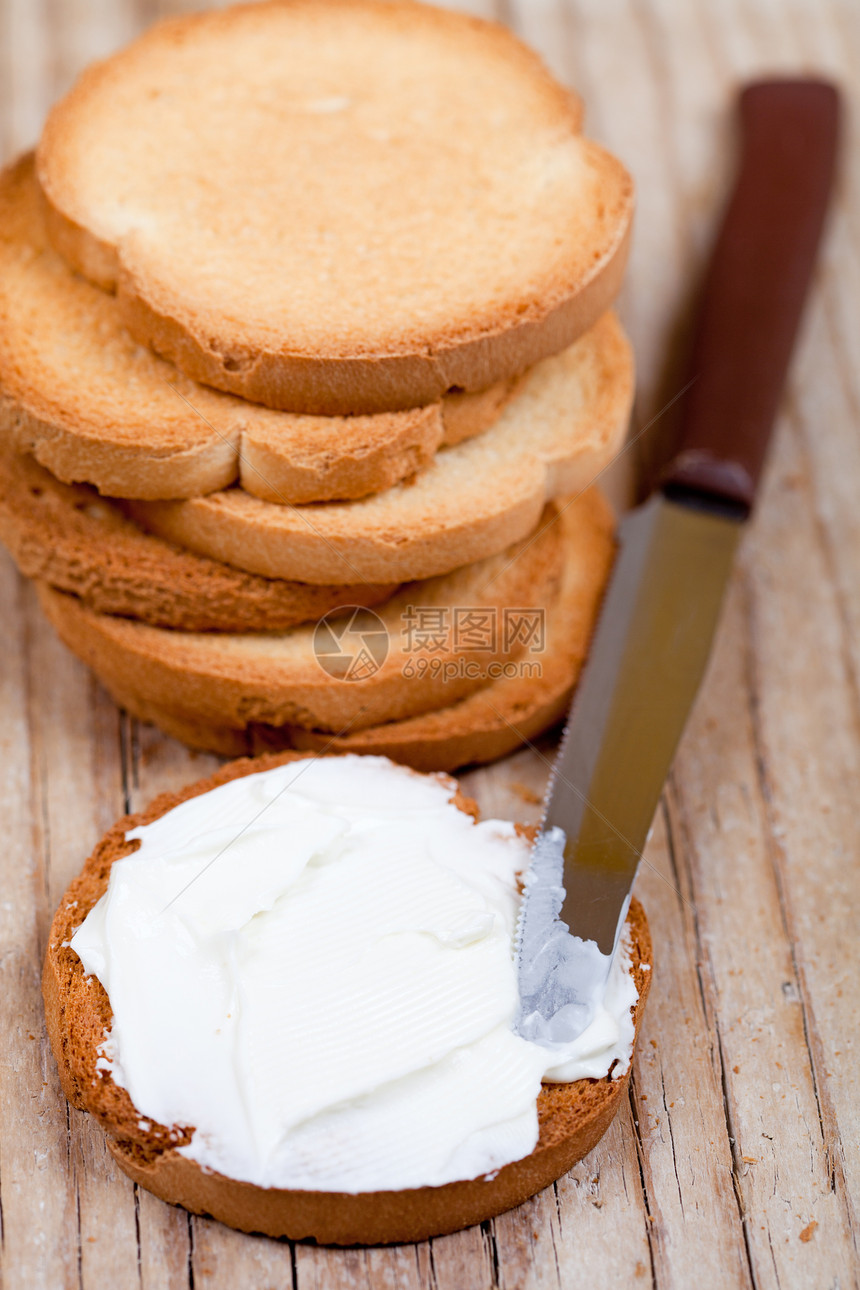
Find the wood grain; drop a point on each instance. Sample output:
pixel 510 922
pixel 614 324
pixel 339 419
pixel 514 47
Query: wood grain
pixel 736 1163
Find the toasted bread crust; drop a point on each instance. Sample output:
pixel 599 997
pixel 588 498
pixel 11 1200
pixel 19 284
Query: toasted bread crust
pixel 376 318
pixel 300 459
pixel 68 536
pixel 277 679
pixel 93 406
pixel 346 386
pixel 489 722
pixel 560 431
pixel 572 1117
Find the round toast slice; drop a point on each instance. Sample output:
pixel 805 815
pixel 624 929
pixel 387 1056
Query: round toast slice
pixel 419 650
pixel 69 536
pixel 486 725
pixel 571 1117
pixel 371 203
pixel 293 459
pixel 96 407
pixel 239 694
pixel 564 427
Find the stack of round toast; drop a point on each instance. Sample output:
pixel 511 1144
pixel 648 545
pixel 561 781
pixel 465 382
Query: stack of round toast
pixel 306 373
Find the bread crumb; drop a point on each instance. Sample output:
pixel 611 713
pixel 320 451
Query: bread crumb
pixel 806 1234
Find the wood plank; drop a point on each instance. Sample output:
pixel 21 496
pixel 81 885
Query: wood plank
pixel 750 956
pixel 396 1268
pixel 221 1257
pixel 684 1142
pixel 25 72
pixel 39 1218
pixel 590 1227
pixel 74 729
pixel 466 1258
pixel 603 48
pixel 803 604
pixel 82 30
pixel 163 1244
pixel 809 756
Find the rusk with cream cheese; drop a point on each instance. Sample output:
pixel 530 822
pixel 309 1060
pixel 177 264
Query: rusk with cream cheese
pixel 460 888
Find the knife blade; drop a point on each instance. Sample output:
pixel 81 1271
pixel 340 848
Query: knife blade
pixel 676 551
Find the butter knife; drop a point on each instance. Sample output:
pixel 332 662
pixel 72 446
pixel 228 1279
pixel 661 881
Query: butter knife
pixel 661 610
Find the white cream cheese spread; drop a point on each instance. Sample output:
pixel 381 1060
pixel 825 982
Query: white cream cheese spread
pixel 312 967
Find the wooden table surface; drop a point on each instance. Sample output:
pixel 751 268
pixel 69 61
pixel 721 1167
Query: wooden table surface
pixel 736 1161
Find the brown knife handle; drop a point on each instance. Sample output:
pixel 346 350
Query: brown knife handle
pixel 754 290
